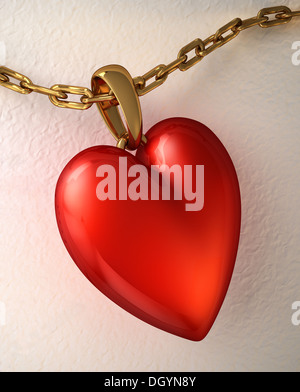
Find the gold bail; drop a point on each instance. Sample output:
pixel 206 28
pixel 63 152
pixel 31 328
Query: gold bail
pixel 116 79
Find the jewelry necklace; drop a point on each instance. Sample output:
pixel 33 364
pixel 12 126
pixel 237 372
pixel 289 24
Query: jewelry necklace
pixel 156 232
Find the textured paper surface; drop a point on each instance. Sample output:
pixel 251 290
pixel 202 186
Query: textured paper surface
pixel 247 93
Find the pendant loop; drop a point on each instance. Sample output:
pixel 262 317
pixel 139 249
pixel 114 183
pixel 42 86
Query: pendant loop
pixel 116 80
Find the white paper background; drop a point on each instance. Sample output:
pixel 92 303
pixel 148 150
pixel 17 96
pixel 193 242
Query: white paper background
pixel 247 93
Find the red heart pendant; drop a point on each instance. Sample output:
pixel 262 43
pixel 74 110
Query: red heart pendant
pixel 164 251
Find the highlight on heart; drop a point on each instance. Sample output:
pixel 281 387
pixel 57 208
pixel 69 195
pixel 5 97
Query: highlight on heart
pixel 186 183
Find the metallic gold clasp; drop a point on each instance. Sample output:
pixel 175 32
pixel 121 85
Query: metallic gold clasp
pixel 115 80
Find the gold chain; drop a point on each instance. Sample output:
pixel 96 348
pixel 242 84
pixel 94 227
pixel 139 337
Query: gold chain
pixel 58 93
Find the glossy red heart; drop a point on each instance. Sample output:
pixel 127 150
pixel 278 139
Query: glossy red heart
pixel 162 263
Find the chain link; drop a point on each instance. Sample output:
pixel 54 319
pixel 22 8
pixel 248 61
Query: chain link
pixel 141 82
pixel 205 47
pixel 63 89
pixel 58 94
pixel 282 10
